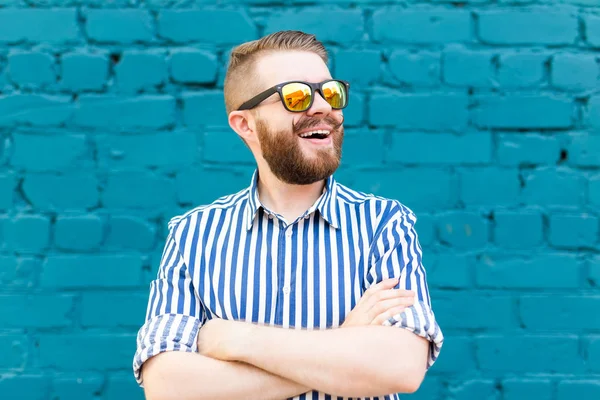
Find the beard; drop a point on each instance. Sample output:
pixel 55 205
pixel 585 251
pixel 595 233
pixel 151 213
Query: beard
pixel 286 159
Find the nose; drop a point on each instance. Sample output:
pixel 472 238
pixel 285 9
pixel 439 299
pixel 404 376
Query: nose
pixel 319 106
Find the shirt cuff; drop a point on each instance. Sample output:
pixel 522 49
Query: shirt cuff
pixel 420 320
pixel 166 332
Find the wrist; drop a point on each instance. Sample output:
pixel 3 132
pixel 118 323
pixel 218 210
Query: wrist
pixel 241 348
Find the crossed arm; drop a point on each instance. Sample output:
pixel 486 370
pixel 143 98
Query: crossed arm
pixel 242 360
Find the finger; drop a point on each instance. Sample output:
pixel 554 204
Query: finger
pixel 377 297
pixel 386 305
pixel 393 312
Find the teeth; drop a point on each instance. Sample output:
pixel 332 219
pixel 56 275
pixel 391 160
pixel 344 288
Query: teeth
pixel 307 134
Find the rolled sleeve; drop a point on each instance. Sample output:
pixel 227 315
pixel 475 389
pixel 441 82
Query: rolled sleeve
pixel 396 252
pixel 174 313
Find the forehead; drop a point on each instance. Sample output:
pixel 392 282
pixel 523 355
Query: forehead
pixel 282 66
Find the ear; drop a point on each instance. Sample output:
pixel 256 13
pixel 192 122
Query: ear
pixel 244 124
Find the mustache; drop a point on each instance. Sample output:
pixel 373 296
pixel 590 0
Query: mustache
pixel 307 123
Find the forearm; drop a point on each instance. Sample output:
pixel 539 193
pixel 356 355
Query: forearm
pixel 182 376
pixel 353 362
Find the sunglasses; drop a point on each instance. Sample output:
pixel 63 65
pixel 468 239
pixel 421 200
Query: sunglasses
pixel 298 96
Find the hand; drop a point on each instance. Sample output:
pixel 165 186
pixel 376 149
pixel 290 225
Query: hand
pixel 379 303
pixel 219 338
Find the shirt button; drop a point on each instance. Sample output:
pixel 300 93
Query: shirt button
pixel 286 290
pixel 289 233
pixel 307 217
pixel 270 216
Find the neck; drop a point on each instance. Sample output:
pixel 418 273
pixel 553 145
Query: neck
pixel 287 200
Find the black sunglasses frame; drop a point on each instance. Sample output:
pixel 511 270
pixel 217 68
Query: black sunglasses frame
pixel 315 87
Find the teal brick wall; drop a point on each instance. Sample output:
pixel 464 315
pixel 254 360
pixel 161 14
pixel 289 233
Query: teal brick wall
pixel 483 116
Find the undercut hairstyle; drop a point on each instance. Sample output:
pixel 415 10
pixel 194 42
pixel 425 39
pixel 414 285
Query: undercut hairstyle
pixel 240 80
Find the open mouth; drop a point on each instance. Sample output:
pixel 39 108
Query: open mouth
pixel 316 135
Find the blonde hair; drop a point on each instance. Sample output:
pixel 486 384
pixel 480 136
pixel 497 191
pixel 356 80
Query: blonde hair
pixel 239 79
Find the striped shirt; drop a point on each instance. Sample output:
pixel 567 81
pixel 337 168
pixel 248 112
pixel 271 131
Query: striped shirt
pixel 237 260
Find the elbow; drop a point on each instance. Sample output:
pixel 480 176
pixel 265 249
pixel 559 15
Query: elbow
pixel 407 381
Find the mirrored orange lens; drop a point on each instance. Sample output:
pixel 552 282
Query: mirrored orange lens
pixel 335 94
pixel 297 96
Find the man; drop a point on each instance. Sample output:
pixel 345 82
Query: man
pixel 288 288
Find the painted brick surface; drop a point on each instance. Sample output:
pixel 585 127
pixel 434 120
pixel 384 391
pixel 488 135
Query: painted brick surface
pixel 482 116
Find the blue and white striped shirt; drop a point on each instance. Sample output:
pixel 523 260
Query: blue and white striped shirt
pixel 235 259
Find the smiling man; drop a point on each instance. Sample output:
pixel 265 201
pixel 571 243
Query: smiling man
pixel 297 286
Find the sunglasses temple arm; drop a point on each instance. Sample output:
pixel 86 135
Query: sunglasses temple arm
pixel 256 100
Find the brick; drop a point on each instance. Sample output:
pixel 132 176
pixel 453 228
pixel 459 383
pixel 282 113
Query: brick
pixel 593 117
pixel 580 2
pixel 343 26
pixel 138 190
pixel 14 350
pixel 77 387
pixel 538 26
pixel 496 353
pixel 573 231
pixel 73 191
pixel 594 271
pixel 569 313
pixel 431 388
pixel 122 386
pixel 27 233
pixel 421 26
pixel 34 109
pixel 553 187
pixel 521 69
pixel 518 229
pixel 416 69
pixel 448 270
pixel 193 66
pixel 226 147
pixel 575 72
pixel 130 313
pixel 141 70
pixel 462 229
pixel 8 184
pixel 584 150
pixel 18 272
pixel 427 230
pixel 551 271
pixel 456 310
pixel 149 111
pixel 95 351
pixel 449 149
pixel 592 29
pixel 204 109
pixel 358 143
pixel 413 111
pixel 36 311
pixel 204 185
pixel 165 149
pixel 464 67
pixel 594 190
pixel 78 233
pixel 128 232
pixel 519 388
pixel 39 153
pixel 31 387
pixel 207 26
pixel 31 69
pixel 459 355
pixel 489 186
pixel 475 389
pixel 101 271
pixel 524 111
pixel 517 149
pixel 119 26
pixel 361 67
pixel 578 389
pixel 384 182
pixel 81 71
pixel 31 25
pixel 593 354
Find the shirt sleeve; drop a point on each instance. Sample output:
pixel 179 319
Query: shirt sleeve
pixel 174 314
pixel 396 252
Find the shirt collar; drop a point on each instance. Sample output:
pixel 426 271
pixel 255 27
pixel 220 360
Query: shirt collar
pixel 326 204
